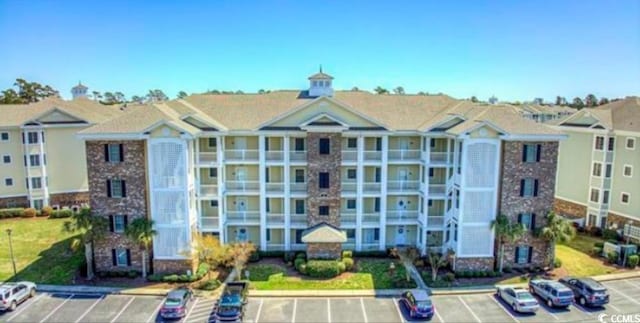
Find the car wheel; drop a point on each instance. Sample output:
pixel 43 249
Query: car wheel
pixel 549 303
pixel 32 292
pixel 13 305
pixel 583 301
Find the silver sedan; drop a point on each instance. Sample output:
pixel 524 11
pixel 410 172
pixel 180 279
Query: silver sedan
pixel 519 299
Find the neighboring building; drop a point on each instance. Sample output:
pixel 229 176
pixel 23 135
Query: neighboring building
pixel 599 165
pixel 544 113
pixel 42 162
pixel 321 170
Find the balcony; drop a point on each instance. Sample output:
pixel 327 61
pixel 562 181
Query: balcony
pixel 275 246
pixel 404 155
pixel 298 219
pixel 437 189
pixel 298 156
pixel 274 156
pixel 208 191
pixel 349 155
pixel 348 187
pixel 371 218
pixel 207 158
pixel 371 187
pixel 239 155
pixel 372 156
pixel 275 187
pixel 440 158
pixel 242 186
pixel 298 188
pixel 275 219
pixel 210 223
pixel 347 218
pixel 243 217
pixel 402 216
pixel 403 186
pixel 435 222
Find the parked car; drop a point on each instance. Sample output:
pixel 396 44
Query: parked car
pixel 12 294
pixel 552 292
pixel 587 291
pixel 230 306
pixel 175 305
pixel 419 303
pixel 519 299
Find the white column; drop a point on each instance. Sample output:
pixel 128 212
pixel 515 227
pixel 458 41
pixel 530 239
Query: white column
pixel 287 193
pixel 25 150
pixel 359 189
pixel 263 192
pixel 383 192
pixel 196 159
pixel 43 169
pixel 222 205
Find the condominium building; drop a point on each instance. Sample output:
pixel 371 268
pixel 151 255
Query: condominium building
pixel 544 113
pixel 42 160
pixel 598 178
pixel 321 170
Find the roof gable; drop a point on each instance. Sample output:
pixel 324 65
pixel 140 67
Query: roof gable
pixel 57 116
pixel 324 233
pixel 581 119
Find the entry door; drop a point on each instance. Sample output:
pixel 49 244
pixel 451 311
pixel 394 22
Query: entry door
pixel 241 174
pixel 403 174
pixel 401 235
pixel 240 143
pixel 401 204
pixel 403 143
pixel 241 205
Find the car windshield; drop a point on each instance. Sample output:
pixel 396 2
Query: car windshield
pixel 524 295
pixel 423 305
pixel 596 290
pixel 565 294
pixel 172 302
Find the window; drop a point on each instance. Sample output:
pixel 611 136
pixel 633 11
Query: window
pixel 118 223
pixel 527 220
pixel 430 203
pixel 378 144
pixel 299 206
pixel 351 234
pixel 531 153
pixel 630 143
pixel 6 159
pixel 266 143
pixel 299 144
pixel 32 137
pixel 268 234
pixel 121 257
pixel 377 175
pixel 299 175
pixel 8 181
pixel 352 142
pixel 594 196
pixel 212 143
pixel 299 236
pixel 605 197
pixel 627 171
pixel 323 180
pixel 351 173
pixel 597 169
pixel 325 146
pixel 599 143
pixel 213 203
pixel 612 143
pixel 213 172
pixel 36 182
pixel 431 172
pixel 37 204
pixel 266 175
pixel 529 187
pixel 607 171
pixel 268 204
pixel 351 204
pixel 241 234
pixel 624 198
pixel 323 210
pixel 432 142
pixel 523 254
pixel 113 153
pixel 371 235
pixel 34 160
pixel 4 136
pixel 116 188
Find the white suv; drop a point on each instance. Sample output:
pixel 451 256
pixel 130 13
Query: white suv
pixel 12 294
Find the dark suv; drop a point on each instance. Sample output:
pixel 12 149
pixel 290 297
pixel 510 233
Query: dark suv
pixel 418 303
pixel 587 291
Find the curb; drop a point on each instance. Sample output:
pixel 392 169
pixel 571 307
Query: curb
pixel 101 290
pixel 327 293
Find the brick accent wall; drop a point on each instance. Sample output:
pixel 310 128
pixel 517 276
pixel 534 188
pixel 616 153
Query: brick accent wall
pixel 324 250
pixel 484 264
pixel 11 202
pixel 512 204
pixel 617 222
pixel 133 171
pixel 69 199
pixel 174 266
pixel 569 209
pixel 318 163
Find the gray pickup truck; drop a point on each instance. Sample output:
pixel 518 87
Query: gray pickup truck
pixel 553 293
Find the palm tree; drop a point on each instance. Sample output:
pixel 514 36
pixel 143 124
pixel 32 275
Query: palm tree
pixel 92 228
pixel 506 232
pixel 558 229
pixel 141 232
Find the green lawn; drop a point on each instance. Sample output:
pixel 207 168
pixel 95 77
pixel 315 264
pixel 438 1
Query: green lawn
pixel 370 274
pixel 41 251
pixel 583 243
pixel 578 263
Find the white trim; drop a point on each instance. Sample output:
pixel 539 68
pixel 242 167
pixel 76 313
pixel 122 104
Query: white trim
pixel 626 143
pixel 533 137
pixel 14 195
pixel 624 168
pixel 8 136
pixel 112 136
pixel 10 159
pixel 5 182
pixel 593 167
pixel 628 198
pixel 591 188
pixel 570 200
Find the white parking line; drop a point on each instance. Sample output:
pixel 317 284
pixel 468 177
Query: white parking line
pixel 438 315
pixel 123 308
pixel 195 303
pixel 395 302
pixel 259 310
pixel 582 309
pixel 24 307
pixel 632 283
pixel 364 313
pixel 615 308
pixel 90 308
pixel 328 310
pixel 470 311
pixel 502 308
pixel 155 313
pixel 295 305
pixel 55 309
pixel 624 295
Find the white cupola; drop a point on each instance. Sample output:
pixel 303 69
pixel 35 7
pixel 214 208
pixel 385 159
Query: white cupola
pixel 79 91
pixel 320 84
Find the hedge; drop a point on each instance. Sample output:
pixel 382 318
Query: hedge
pixel 271 254
pixel 46 211
pixel 298 262
pixel 29 213
pixel 348 263
pixel 371 254
pixel 59 214
pixel 323 268
pixel 11 213
pixel 210 284
pixel 203 269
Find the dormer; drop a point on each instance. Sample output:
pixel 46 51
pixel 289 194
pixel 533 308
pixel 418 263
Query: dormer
pixel 320 84
pixel 79 91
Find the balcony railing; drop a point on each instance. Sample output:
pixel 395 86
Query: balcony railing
pixel 440 157
pixel 350 155
pixel 241 154
pixel 403 185
pixel 372 155
pixel 371 187
pixel 348 187
pixel 437 189
pixel 404 154
pixel 435 222
pixel 370 246
pixel 371 218
pixel 347 218
pixel 207 158
pixel 208 190
pixel 275 187
pixel 275 246
pixel 243 216
pixel 298 156
pixel 300 219
pixel 242 186
pixel 274 155
pixel 275 219
pixel 210 223
pixel 298 246
pixel 298 187
pixel 404 215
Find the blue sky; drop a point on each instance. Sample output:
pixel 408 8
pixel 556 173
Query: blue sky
pixel 512 49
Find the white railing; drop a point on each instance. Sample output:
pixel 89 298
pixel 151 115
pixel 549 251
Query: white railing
pixel 403 185
pixel 371 218
pixel 208 190
pixel 210 223
pixel 275 187
pixel 241 154
pixel 242 186
pixel 298 219
pixel 274 155
pixel 408 215
pixel 349 245
pixel 298 187
pixel 349 155
pixel 372 155
pixel 404 154
pixel 348 186
pixel 243 216
pixel 435 221
pixel 298 155
pixel 371 187
pixel 275 246
pixel 437 189
pixel 275 218
pixel 370 246
pixel 298 246
pixel 348 218
pixel 207 158
pixel 439 157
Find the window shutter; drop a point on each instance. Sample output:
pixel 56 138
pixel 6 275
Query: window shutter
pixel 126 221
pixel 121 152
pixel 113 257
pixel 533 221
pixel 129 257
pixel 524 153
pixel 376 234
pixel 538 152
pixel 517 254
pixel 109 188
pixel 535 187
pixel 520 218
pixel 23 137
pixel 522 187
pixel 530 254
pixel 111 225
pixel 124 188
pixel 106 152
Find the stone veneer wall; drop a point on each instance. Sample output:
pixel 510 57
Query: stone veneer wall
pixel 133 171
pixel 174 266
pixel 324 250
pixel 512 204
pixel 16 201
pixel 617 222
pixel 569 209
pixel 323 163
pixel 69 199
pixel 474 264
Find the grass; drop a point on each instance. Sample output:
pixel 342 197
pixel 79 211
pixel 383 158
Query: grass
pixel 370 274
pixel 583 243
pixel 577 263
pixel 41 251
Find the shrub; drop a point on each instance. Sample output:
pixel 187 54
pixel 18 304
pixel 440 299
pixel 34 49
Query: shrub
pixel 155 278
pixel 633 260
pixel 348 263
pixel 449 277
pixel 609 234
pixel 303 269
pixel 59 214
pixel 209 284
pixel 132 274
pixel 301 255
pixel 599 245
pixel 271 254
pixel 557 263
pixel 347 254
pixel 29 213
pixel 371 254
pixel 298 262
pixel 507 269
pixel 203 269
pixel 170 278
pixel 597 251
pixel 419 263
pixel 11 213
pixel 323 268
pixel 289 256
pixel 82 269
pixel 399 281
pixel 595 231
pixel 612 257
pixel 46 211
pixel 255 257
pixel 342 267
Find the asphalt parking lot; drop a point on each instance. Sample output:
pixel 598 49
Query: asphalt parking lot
pixel 46 307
